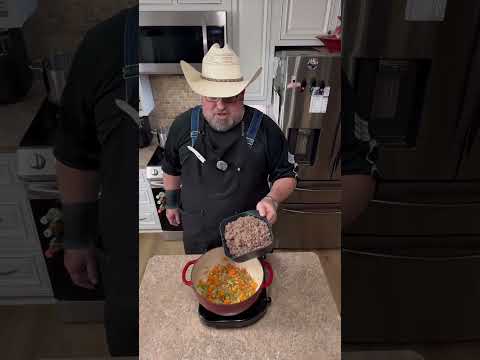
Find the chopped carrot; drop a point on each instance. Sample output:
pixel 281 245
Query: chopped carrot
pixel 227 284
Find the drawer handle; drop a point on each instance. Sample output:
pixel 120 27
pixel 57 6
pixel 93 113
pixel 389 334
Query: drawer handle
pixel 336 188
pixel 399 203
pixel 310 212
pixel 407 257
pixel 8 272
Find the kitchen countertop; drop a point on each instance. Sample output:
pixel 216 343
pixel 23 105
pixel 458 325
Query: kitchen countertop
pixel 15 118
pixel 302 322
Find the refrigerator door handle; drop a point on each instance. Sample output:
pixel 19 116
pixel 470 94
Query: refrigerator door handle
pixel 407 257
pixel 400 203
pixel 315 212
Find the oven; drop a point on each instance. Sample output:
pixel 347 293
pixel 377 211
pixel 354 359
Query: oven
pixel 47 213
pixel 166 37
pixel 36 170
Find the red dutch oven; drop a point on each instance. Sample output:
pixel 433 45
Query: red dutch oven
pixel 207 261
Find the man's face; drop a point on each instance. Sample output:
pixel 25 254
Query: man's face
pixel 222 114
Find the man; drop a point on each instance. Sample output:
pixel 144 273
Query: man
pixel 221 156
pixel 96 151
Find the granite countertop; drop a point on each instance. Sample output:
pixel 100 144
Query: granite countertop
pixel 302 322
pixel 15 118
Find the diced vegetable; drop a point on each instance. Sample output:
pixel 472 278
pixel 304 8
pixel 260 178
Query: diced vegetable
pixel 227 284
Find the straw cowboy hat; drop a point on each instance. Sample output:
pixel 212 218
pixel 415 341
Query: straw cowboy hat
pixel 220 76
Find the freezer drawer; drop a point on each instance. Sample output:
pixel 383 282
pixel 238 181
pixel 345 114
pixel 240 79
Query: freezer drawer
pixel 384 218
pixel 316 192
pixel 307 226
pixel 410 298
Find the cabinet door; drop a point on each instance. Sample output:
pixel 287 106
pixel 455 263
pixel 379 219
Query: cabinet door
pixel 17 229
pixel 23 276
pixel 253 32
pixel 147 211
pixel 304 19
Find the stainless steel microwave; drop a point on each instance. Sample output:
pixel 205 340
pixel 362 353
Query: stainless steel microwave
pixel 166 37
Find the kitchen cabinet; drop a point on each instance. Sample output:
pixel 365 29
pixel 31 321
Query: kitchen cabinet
pixel 23 273
pixel 184 5
pixel 148 219
pixel 251 39
pixel 299 21
pixel 23 276
pixel 17 230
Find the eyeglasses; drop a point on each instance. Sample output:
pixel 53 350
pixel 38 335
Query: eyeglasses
pixel 226 100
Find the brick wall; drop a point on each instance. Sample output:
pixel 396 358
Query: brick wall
pixel 172 96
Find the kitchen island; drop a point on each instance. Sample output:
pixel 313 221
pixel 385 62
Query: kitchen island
pixel 302 321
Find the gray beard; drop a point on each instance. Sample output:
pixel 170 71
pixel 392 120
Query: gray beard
pixel 221 126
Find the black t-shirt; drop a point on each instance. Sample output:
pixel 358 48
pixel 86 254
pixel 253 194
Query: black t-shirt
pixel 269 137
pixel 88 112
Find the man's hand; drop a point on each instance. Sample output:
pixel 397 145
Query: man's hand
pixel 173 216
pixel 268 208
pixel 81 264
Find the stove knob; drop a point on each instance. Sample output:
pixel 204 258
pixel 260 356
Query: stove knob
pixel 154 172
pixel 37 161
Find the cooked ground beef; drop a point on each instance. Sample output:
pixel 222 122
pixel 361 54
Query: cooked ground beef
pixel 246 234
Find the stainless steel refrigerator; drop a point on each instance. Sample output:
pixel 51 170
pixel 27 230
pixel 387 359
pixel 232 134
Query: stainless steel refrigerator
pixel 410 263
pixel 306 98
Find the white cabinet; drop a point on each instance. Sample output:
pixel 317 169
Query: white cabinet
pixel 251 21
pixel 23 272
pixel 297 22
pixel 23 276
pixel 184 5
pixel 17 229
pixel 148 220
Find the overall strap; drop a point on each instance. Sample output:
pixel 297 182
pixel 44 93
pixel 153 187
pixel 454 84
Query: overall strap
pixel 254 126
pixel 195 124
pixel 130 46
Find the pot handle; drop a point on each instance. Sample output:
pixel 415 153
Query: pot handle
pixel 269 280
pixel 184 272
